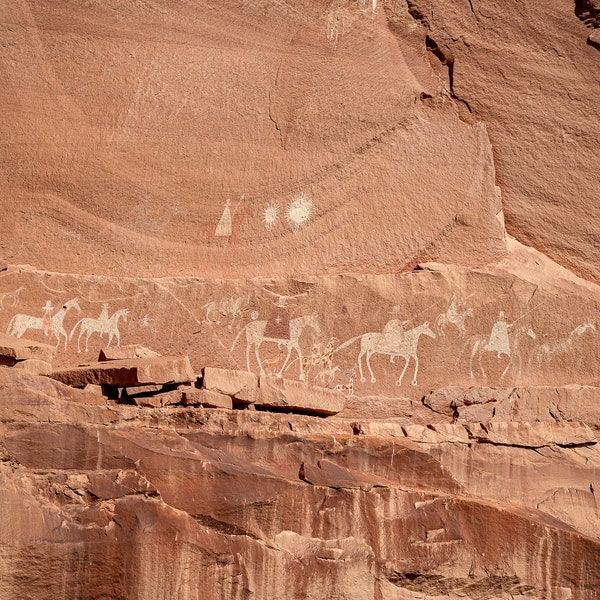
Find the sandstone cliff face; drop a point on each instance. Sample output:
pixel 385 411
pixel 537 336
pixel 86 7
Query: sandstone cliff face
pixel 393 201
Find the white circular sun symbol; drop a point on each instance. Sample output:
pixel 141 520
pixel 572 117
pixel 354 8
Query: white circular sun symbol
pixel 299 209
pixel 271 215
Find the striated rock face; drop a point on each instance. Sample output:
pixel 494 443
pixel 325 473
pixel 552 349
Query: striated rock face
pixel 139 503
pixel 325 273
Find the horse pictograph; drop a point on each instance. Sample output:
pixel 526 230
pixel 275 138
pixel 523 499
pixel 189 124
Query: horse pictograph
pixel 231 308
pixel 255 336
pixel 545 352
pixel 14 296
pixel 501 343
pixel 392 342
pixel 103 324
pixel 453 316
pixel 20 323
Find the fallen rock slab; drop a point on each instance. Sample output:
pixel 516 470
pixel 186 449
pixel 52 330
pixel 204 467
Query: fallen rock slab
pixel 129 373
pixel 13 349
pixel 285 394
pixel 240 385
pixel 170 398
pixel 533 435
pixel 123 352
pixel 34 366
pixel 207 398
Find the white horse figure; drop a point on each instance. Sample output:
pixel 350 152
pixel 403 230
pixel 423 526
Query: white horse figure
pixel 452 315
pixel 255 336
pixel 480 345
pixel 14 296
pixel 101 325
pixel 20 323
pixel 394 343
pixel 545 352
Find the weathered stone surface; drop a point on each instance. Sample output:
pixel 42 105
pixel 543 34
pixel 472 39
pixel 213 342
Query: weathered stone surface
pixel 123 352
pixel 96 390
pixel 34 366
pixel 141 389
pixel 240 385
pixel 285 394
pixel 132 372
pixel 508 68
pixel 170 398
pixel 225 482
pixel 210 398
pixel 317 193
pixel 14 349
pixel 533 435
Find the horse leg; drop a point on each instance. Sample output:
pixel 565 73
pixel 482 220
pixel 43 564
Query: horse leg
pixel 262 371
pixel 473 352
pixel 510 364
pixel 287 357
pixel 414 381
pixel 359 360
pixel 407 360
pixel 297 349
pixel 248 346
pixel 368 361
pixel 481 365
pixel 78 347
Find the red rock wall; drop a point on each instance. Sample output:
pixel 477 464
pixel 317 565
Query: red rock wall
pixel 393 200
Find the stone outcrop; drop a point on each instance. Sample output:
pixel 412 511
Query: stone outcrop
pixel 13 350
pixel 132 372
pixel 339 261
pixel 254 495
pixel 283 394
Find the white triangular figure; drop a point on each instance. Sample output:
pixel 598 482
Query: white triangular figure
pixel 224 225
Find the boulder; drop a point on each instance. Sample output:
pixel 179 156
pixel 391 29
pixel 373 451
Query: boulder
pixel 170 398
pixel 208 398
pixel 240 385
pixel 533 435
pixel 128 373
pixel 13 349
pixel 285 394
pixel 34 366
pixel 123 352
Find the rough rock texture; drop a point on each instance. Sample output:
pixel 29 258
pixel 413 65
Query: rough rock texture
pixel 387 209
pixel 529 75
pixel 129 502
pixel 132 372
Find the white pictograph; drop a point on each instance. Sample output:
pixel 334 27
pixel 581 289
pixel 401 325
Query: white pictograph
pixel 502 342
pixel 299 210
pixel 392 342
pixel 546 352
pixel 227 308
pixel 255 336
pixel 103 324
pixel 322 358
pixel 363 4
pixel 454 317
pixel 223 228
pixel 12 297
pixel 20 323
pixel 347 388
pixel 271 215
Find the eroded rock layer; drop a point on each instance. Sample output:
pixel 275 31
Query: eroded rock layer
pixel 118 501
pixel 322 277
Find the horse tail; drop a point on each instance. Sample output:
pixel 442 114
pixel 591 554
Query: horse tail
pixel 438 323
pixel 346 344
pixel 10 324
pixel 74 328
pixel 237 337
